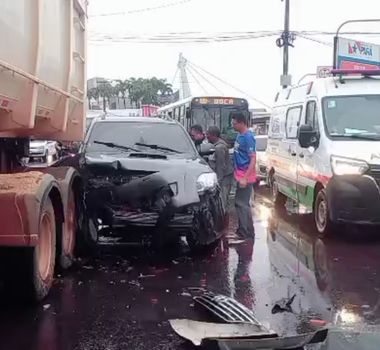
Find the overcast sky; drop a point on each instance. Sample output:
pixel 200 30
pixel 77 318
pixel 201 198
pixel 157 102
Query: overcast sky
pixel 252 65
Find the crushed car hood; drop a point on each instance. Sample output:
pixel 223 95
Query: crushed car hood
pixel 183 172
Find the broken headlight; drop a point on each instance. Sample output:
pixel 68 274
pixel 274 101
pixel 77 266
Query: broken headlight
pixel 206 181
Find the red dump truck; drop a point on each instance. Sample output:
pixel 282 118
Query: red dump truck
pixel 42 92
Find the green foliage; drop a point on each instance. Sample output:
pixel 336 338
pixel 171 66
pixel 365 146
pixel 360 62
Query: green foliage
pixel 139 91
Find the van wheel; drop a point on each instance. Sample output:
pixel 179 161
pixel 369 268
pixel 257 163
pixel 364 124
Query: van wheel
pixel 322 220
pixel 278 198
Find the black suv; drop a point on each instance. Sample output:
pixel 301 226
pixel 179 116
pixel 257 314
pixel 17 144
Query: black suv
pixel 146 172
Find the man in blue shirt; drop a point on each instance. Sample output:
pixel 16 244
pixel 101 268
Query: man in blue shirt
pixel 245 175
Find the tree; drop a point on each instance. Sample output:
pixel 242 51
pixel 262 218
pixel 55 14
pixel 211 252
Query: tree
pixel 106 91
pixel 147 91
pixel 122 87
pixel 92 93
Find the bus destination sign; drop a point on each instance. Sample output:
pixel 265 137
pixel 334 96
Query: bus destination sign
pixel 216 101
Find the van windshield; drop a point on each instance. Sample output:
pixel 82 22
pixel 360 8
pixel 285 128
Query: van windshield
pixel 356 117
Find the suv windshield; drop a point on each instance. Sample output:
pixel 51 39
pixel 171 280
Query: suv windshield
pixel 131 134
pixel 353 116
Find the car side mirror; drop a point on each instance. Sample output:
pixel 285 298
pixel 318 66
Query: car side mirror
pixel 188 114
pixel 206 149
pixel 307 136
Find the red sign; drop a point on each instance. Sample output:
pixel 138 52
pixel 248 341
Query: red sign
pixel 358 66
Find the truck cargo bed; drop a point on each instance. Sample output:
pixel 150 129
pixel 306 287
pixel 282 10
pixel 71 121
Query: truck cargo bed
pixel 42 69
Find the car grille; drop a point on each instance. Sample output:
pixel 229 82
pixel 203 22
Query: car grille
pixel 226 308
pixel 374 172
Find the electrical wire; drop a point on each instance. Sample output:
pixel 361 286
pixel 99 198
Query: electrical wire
pixel 147 9
pixel 316 40
pixel 230 85
pixel 199 37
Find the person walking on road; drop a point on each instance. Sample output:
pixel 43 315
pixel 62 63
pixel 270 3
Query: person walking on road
pixel 245 175
pixel 221 162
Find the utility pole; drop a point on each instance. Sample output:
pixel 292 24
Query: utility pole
pixel 285 69
pixel 285 41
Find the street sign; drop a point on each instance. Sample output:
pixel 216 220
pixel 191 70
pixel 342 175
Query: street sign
pixel 357 55
pixel 324 71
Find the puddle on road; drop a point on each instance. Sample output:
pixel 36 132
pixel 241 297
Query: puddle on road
pixel 125 294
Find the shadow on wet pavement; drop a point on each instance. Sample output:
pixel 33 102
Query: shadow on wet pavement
pixel 124 298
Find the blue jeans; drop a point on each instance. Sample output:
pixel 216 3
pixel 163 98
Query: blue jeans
pixel 243 196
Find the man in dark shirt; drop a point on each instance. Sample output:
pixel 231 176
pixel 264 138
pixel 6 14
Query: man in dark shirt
pixel 220 162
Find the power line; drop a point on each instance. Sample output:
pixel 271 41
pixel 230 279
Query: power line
pixel 230 85
pixel 147 9
pixel 316 40
pixel 195 78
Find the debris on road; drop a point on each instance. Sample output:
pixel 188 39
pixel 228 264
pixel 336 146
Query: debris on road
pixel 318 323
pixel 46 307
pixel 283 305
pixel 146 276
pixel 242 336
pixel 135 283
pixel 225 308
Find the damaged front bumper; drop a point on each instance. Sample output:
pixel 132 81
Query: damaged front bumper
pixel 142 199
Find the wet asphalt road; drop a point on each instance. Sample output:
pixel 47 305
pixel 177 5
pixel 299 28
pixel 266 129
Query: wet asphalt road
pixel 124 298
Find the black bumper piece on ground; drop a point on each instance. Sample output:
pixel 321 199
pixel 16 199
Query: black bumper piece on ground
pixel 354 199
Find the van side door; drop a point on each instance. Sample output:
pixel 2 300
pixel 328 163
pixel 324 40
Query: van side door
pixel 283 149
pixel 306 159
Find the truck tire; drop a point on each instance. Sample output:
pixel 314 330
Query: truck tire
pixel 29 271
pixel 322 221
pixel 69 233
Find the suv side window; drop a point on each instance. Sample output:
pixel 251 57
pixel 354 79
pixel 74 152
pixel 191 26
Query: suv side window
pixel 292 122
pixel 311 115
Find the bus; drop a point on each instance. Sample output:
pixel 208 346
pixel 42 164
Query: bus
pixel 208 111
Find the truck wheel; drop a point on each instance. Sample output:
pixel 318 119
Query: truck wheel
pixel 322 220
pixel 31 274
pixel 69 233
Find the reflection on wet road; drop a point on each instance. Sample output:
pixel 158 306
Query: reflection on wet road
pixel 123 299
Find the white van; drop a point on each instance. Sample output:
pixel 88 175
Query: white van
pixel 324 149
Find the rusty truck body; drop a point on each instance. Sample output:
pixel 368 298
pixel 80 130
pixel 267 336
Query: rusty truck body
pixel 42 92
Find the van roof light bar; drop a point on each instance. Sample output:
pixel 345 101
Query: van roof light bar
pixel 364 72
